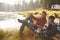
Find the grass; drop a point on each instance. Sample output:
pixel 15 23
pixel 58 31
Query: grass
pixel 14 35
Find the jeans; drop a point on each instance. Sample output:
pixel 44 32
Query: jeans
pixel 49 32
pixel 30 24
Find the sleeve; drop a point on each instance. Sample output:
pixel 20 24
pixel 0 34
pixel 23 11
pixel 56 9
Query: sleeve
pixel 49 27
pixel 54 26
pixel 45 21
pixel 34 17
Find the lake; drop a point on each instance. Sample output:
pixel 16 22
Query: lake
pixel 9 20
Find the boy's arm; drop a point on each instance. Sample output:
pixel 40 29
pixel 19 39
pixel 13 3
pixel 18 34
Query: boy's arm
pixel 49 27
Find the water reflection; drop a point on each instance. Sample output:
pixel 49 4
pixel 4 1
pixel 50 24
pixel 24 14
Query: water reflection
pixel 9 20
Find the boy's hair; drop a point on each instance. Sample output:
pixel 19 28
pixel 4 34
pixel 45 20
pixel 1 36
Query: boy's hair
pixel 44 12
pixel 52 17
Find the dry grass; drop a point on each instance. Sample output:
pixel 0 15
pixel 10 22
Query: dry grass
pixel 14 35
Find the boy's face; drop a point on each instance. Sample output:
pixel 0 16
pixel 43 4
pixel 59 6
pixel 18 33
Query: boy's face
pixel 49 20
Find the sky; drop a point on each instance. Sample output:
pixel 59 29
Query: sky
pixel 12 2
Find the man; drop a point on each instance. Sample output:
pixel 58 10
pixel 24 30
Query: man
pixel 40 22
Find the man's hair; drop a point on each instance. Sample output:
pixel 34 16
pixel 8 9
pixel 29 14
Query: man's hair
pixel 44 12
pixel 52 17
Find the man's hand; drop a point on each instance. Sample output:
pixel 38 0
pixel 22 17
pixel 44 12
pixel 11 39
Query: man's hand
pixel 38 26
pixel 37 30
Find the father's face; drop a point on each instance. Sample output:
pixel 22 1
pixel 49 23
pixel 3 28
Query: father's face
pixel 43 15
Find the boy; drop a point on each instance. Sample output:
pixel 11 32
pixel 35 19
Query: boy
pixel 52 27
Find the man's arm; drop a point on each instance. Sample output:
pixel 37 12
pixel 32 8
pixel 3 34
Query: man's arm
pixel 34 17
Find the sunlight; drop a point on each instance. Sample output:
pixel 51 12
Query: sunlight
pixel 11 23
pixel 11 2
pixel 34 1
pixel 27 1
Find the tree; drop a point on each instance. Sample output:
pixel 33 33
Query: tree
pixel 47 3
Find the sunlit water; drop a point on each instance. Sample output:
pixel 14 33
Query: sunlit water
pixel 8 20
